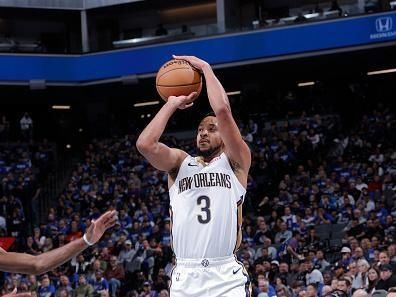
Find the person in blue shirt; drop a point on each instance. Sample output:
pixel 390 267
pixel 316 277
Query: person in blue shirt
pixel 46 289
pixel 99 283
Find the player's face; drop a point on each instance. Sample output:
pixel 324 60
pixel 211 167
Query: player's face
pixel 208 137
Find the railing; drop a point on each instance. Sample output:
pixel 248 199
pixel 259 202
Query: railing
pixel 55 183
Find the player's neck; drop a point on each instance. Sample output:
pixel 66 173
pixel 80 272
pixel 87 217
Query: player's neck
pixel 207 159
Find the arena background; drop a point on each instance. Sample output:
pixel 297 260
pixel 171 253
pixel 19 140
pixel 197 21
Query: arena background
pixel 281 62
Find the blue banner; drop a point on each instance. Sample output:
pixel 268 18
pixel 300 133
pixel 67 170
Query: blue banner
pixel 308 37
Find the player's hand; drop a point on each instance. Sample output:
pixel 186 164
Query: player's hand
pixel 99 226
pixel 196 62
pixel 15 294
pixel 182 102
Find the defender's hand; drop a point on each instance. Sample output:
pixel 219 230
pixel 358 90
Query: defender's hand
pixel 99 226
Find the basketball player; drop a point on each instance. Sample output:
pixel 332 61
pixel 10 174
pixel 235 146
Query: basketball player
pixel 28 264
pixel 206 194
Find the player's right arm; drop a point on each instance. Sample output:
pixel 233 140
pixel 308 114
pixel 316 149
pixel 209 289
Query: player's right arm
pixel 157 153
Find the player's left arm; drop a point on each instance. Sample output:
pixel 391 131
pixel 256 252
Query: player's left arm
pixel 235 147
pixel 29 264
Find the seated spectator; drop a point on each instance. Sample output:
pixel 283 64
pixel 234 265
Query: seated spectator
pixel 147 290
pixel 46 288
pixel 387 278
pixel 99 284
pixel 115 275
pixel 83 289
pixel 284 234
pixel 64 285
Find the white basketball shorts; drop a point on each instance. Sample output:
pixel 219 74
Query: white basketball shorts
pixel 213 277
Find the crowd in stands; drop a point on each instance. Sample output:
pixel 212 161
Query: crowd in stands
pixel 23 167
pixel 319 216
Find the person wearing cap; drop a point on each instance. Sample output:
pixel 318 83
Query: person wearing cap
pixel 127 253
pixel 147 291
pixel 387 278
pixel 274 271
pixel 275 262
pixel 345 256
pixel 29 264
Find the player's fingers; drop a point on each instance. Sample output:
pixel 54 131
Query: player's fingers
pixel 187 105
pixel 192 96
pixel 182 57
pixel 107 215
pixel 111 223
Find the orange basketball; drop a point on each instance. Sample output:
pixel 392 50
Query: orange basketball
pixel 177 78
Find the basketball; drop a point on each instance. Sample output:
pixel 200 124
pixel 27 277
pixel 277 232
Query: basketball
pixel 177 78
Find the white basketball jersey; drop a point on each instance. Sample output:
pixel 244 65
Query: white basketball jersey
pixel 204 202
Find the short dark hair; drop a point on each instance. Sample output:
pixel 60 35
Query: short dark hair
pixel 346 280
pixel 209 114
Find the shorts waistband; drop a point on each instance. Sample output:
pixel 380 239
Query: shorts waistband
pixel 205 262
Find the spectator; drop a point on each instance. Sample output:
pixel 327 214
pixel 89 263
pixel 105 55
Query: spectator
pixel 99 283
pixel 373 278
pixel 46 289
pixel 314 276
pixel 83 289
pixel 64 286
pixel 387 278
pixel 284 234
pixel 344 284
pixel 115 275
pixel 360 293
pixel 26 125
pixel 147 290
pixel 161 30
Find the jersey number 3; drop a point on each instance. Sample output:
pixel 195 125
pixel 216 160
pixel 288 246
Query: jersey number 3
pixel 205 202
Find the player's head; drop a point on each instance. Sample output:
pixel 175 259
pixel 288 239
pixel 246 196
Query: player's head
pixel 209 142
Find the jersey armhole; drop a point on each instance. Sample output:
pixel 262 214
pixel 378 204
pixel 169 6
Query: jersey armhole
pixel 179 171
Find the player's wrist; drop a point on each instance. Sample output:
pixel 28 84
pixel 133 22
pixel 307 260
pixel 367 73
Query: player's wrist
pixel 206 68
pixel 87 242
pixel 173 104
